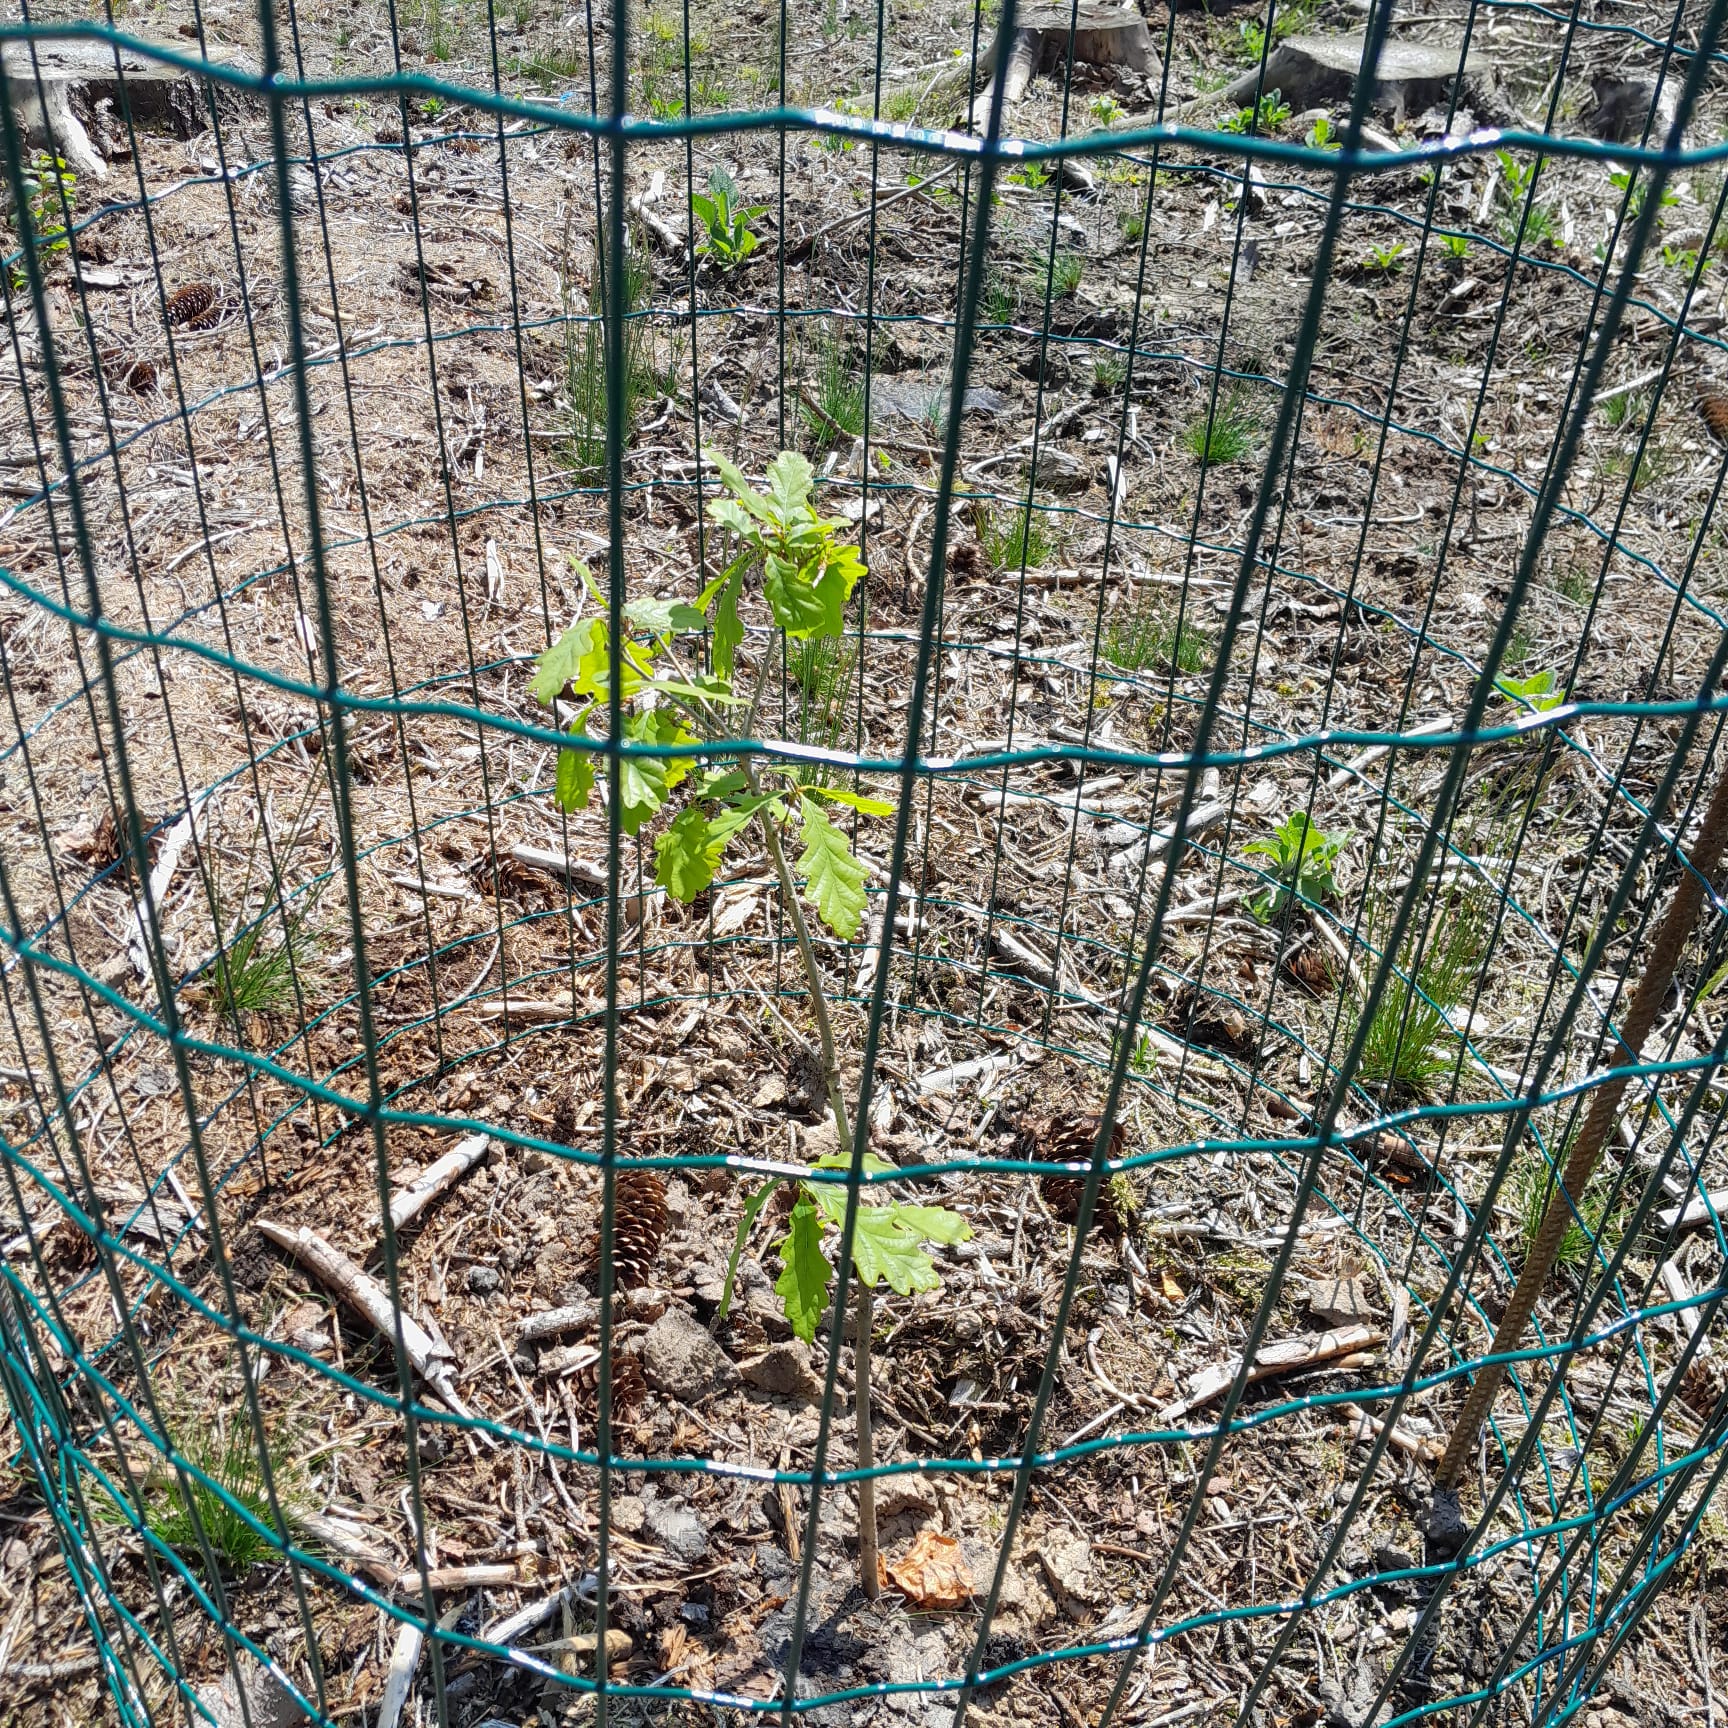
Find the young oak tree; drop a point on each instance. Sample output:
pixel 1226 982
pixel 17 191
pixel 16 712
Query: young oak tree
pixel 807 569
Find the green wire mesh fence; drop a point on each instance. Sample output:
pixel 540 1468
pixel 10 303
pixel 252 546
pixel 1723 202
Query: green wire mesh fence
pixel 1038 689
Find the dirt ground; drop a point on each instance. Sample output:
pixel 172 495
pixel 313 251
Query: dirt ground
pixel 448 270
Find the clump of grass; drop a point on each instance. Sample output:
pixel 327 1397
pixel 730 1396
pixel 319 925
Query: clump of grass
pixel 177 1511
pixel 822 667
pixel 1020 540
pixel 1592 1227
pixel 1228 436
pixel 1147 634
pixel 259 959
pixel 585 369
pixel 1109 373
pixel 1067 275
pixel 1131 225
pixel 1410 1045
pixel 999 300
pixel 839 398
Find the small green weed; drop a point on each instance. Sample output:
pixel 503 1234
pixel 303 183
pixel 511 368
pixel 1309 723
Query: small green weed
pixel 1148 634
pixel 1000 301
pixel 1457 245
pixel 900 106
pixel 1034 175
pixel 1271 113
pixel 48 191
pixel 1539 692
pixel 259 958
pixel 1385 260
pixel 1321 135
pixel 728 238
pixel 1131 224
pixel 1106 110
pixel 839 395
pixel 1067 276
pixel 1302 857
pixel 1622 180
pixel 1109 373
pixel 585 369
pixel 1228 436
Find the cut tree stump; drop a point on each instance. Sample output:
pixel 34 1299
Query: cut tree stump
pixel 57 89
pixel 1103 36
pixel 1312 71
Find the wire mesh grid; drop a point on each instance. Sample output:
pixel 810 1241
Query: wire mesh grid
pixel 1254 781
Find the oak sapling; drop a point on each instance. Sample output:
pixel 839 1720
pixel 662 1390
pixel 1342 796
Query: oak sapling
pixel 808 569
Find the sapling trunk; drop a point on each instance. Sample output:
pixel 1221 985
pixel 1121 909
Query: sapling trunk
pixel 837 1104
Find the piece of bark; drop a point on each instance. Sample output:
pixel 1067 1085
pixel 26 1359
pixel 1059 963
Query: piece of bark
pixel 404 1660
pixel 550 1322
pixel 1285 1356
pixel 161 878
pixel 1315 71
pixel 1696 1213
pixel 406 1204
pixel 488 1575
pixel 431 1357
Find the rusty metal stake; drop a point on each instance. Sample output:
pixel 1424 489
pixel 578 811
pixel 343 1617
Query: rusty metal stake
pixel 1671 936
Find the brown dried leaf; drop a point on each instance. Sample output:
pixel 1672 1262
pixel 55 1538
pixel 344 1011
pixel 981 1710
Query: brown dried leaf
pixel 932 1573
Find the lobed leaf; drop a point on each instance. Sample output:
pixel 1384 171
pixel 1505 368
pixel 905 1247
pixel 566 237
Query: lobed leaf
pixel 835 879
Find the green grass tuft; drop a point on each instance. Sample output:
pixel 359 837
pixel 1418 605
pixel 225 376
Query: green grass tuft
pixel 1592 1226
pixel 175 1513
pixel 585 372
pixel 1229 437
pixel 839 395
pixel 1021 540
pixel 1147 634
pixel 1411 1047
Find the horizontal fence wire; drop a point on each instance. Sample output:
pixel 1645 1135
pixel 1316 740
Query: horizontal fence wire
pixel 1243 879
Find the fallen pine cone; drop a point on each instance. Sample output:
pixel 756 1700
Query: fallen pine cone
pixel 1713 405
pixel 1067 1139
pixel 629 1387
pixel 638 1229
pixel 194 305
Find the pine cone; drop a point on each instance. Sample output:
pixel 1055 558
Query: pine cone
pixel 638 1229
pixel 966 562
pixel 1069 1139
pixel 629 1387
pixel 141 377
pixel 194 305
pixel 1713 405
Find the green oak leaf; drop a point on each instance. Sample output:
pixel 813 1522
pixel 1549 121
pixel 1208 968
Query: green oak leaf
pixel 728 626
pixel 575 779
pixel 801 606
pixel 885 1245
pixel 835 878
pixel 803 1286
pixel 663 617
pixel 790 478
pixel 572 660
pixel 689 854
pixel 852 800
